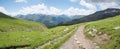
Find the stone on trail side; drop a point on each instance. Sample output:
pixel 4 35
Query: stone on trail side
pixel 97 47
pixel 75 39
pixel 78 42
pixel 94 30
pixel 66 29
pixel 99 33
pixel 90 32
pixel 117 28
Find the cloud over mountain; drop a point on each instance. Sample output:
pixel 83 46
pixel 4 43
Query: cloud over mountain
pixel 98 4
pixel 67 7
pixel 2 9
pixel 107 1
pixel 43 9
pixel 25 1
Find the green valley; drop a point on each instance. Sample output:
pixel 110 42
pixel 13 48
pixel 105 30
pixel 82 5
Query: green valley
pixel 59 24
pixel 100 30
pixel 16 33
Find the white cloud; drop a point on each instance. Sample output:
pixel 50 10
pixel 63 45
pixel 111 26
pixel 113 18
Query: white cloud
pixel 77 11
pixel 2 9
pixel 108 5
pixel 102 4
pixel 54 11
pixel 43 9
pixel 40 8
pixel 104 1
pixel 25 1
pixel 87 5
pixel 74 0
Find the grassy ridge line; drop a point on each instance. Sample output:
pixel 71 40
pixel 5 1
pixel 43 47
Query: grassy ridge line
pixel 16 25
pixel 106 26
pixel 57 44
pixel 17 32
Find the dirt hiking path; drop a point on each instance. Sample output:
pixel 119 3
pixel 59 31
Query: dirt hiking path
pixel 79 41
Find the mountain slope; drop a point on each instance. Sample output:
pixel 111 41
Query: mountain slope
pixel 49 20
pixel 108 30
pixel 8 23
pixel 110 12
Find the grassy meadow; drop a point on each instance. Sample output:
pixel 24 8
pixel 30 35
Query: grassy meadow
pixel 106 26
pixel 17 33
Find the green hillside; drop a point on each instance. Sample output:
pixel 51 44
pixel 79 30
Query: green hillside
pixel 16 33
pixel 110 27
pixel 8 24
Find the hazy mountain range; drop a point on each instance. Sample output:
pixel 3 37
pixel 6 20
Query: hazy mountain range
pixel 110 12
pixel 49 20
pixel 53 20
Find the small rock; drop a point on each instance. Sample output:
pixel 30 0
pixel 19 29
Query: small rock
pixel 97 47
pixel 90 32
pixel 66 29
pixel 100 33
pixel 94 30
pixel 117 28
pixel 75 39
pixel 23 36
pixel 78 42
pixel 17 40
pixel 10 29
pixel 75 35
pixel 80 47
pixel 94 43
pixel 27 38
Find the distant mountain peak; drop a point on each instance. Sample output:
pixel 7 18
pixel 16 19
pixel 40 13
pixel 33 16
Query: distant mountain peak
pixel 49 20
pixel 110 12
pixel 112 9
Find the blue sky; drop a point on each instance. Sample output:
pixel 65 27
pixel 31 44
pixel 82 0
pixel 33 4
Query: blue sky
pixel 56 7
pixel 11 5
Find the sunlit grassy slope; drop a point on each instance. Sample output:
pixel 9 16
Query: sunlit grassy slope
pixel 106 26
pixel 8 24
pixel 16 32
pixel 34 38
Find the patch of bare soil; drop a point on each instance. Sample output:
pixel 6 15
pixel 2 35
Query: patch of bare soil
pixel 102 39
